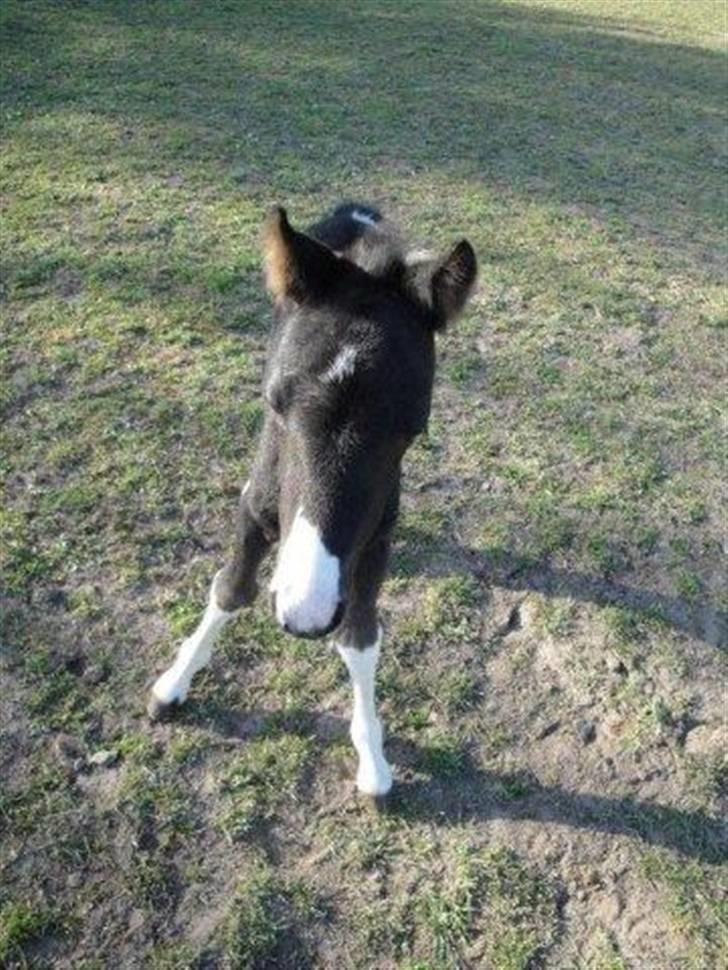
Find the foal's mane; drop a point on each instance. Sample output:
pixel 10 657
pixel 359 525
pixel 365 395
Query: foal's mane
pixel 365 238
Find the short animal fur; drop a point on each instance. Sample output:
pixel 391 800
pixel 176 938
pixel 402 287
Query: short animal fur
pixel 348 386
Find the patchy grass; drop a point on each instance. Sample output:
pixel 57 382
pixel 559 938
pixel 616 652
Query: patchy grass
pixel 21 924
pixel 261 927
pixel 490 908
pixel 551 677
pixel 697 903
pixel 260 779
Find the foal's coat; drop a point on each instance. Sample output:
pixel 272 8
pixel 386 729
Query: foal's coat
pixel 348 386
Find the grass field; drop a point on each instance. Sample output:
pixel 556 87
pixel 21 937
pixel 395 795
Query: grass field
pixel 553 673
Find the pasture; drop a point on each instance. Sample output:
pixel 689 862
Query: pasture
pixel 553 673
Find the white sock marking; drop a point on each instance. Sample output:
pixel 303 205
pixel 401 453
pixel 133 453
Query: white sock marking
pixel 306 579
pixel 341 367
pixel 374 776
pixel 192 655
pixel 358 216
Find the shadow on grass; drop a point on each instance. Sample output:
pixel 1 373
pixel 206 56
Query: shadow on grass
pixel 579 108
pixel 467 793
pixel 484 795
pixel 704 621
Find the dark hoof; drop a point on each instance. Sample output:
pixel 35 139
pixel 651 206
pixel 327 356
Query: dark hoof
pixel 382 804
pixel 379 804
pixel 159 711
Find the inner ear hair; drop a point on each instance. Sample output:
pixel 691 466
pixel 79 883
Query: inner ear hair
pixel 452 282
pixel 277 252
pixel 296 266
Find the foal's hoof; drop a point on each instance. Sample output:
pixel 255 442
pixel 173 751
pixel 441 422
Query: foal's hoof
pixel 380 804
pixel 158 710
pixel 374 779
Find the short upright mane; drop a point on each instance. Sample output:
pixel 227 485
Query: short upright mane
pixel 364 237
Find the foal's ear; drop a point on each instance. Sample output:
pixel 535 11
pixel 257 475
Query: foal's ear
pixel 296 266
pixel 452 282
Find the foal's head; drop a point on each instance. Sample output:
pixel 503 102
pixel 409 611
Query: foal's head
pixel 348 386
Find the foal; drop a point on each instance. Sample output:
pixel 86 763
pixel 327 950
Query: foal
pixel 347 386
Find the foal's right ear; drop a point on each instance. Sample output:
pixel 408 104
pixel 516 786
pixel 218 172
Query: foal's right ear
pixel 452 282
pixel 296 266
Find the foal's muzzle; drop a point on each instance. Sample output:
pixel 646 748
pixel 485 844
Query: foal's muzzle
pixel 315 633
pixel 307 582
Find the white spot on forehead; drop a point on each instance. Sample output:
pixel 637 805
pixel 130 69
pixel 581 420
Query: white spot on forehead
pixel 341 367
pixel 363 217
pixel 415 256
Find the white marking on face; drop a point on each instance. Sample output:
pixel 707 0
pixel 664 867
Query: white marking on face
pixel 306 580
pixel 341 367
pixel 193 654
pixel 416 256
pixel 374 776
pixel 363 217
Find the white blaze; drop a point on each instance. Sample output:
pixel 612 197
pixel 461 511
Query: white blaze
pixel 415 256
pixel 306 579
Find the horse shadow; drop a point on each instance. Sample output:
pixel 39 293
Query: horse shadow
pixel 474 794
pixel 470 793
pixel 703 621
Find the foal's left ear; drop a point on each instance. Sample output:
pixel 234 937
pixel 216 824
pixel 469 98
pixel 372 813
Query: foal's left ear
pixel 296 266
pixel 452 283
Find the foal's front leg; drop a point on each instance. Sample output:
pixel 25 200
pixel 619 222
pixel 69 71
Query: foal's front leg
pixel 358 645
pixel 233 587
pixel 374 776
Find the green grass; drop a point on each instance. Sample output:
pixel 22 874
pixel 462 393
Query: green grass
pixel 265 775
pixel 698 904
pixel 21 924
pixel 558 558
pixel 490 904
pixel 260 930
